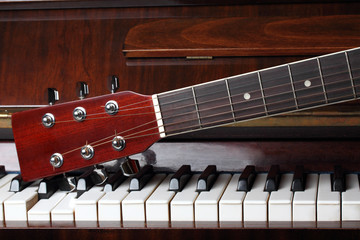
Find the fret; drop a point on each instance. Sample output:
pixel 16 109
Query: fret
pixel 246 96
pixel 178 110
pixel 350 74
pixel 354 62
pixel 292 86
pixel 262 93
pixel 307 83
pixel 336 77
pixel 231 104
pixel 277 88
pixel 196 106
pixel 322 80
pixel 213 102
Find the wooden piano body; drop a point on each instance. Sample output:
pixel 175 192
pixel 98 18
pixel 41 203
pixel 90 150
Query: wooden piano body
pixel 163 45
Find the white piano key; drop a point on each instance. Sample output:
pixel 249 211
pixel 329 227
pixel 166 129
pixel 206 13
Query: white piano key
pixel 255 203
pixel 110 204
pixel 304 203
pixel 231 203
pixel 328 202
pixel 17 206
pixel 280 201
pixel 351 199
pixel 206 205
pixel 64 211
pixel 41 211
pixel 158 204
pixel 182 205
pixel 6 179
pixel 86 205
pixel 133 206
pixel 4 195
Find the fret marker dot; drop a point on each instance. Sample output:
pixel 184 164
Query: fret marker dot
pixel 247 96
pixel 307 83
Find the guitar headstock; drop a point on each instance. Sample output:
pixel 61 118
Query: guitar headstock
pixel 68 136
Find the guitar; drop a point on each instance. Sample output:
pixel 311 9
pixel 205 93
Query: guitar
pixel 60 138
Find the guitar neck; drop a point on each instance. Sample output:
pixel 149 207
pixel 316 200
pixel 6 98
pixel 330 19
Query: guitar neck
pixel 301 85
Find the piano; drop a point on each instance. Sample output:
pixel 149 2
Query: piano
pixel 57 51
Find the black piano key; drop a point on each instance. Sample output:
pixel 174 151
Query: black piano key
pixel 140 179
pixel 338 180
pixel 246 179
pixel 272 179
pixel 180 178
pixel 48 186
pixel 114 181
pixel 207 179
pixel 2 171
pixel 17 184
pixel 85 182
pixel 298 182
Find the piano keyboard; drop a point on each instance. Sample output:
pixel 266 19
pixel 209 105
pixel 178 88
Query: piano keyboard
pixel 268 198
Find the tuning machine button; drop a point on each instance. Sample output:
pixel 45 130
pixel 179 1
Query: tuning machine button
pixel 82 89
pixel 79 114
pixel 111 107
pixel 53 95
pixel 87 152
pixel 48 120
pixel 113 83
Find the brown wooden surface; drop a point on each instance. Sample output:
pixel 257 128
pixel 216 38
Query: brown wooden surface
pixel 243 36
pixel 57 48
pixel 135 122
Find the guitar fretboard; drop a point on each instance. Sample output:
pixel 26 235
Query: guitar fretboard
pixel 296 86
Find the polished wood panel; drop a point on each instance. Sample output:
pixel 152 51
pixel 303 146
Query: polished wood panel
pixel 243 36
pixel 57 48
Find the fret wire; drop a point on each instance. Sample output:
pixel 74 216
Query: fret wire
pixel 322 80
pixel 196 106
pixel 350 73
pixel 292 86
pixel 262 94
pixel 231 103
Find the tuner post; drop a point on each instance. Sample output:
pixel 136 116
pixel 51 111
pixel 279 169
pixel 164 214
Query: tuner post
pixel 111 107
pixel 118 143
pixel 56 160
pixel 48 120
pixel 87 152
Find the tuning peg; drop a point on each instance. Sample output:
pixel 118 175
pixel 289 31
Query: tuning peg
pixel 82 89
pixel 113 83
pixel 130 167
pixel 53 96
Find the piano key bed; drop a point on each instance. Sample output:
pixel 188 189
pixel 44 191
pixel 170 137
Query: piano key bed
pixel 219 205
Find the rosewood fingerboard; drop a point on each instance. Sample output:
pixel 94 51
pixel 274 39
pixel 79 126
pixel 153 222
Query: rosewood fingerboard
pixel 300 85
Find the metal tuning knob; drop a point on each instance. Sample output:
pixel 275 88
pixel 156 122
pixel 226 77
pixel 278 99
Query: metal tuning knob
pixel 53 96
pixel 130 167
pixel 113 83
pixel 82 89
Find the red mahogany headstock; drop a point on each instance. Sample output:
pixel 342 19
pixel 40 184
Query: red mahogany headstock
pixel 135 122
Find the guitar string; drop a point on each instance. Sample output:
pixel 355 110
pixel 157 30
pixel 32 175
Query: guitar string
pixel 176 131
pixel 242 86
pixel 171 133
pixel 212 100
